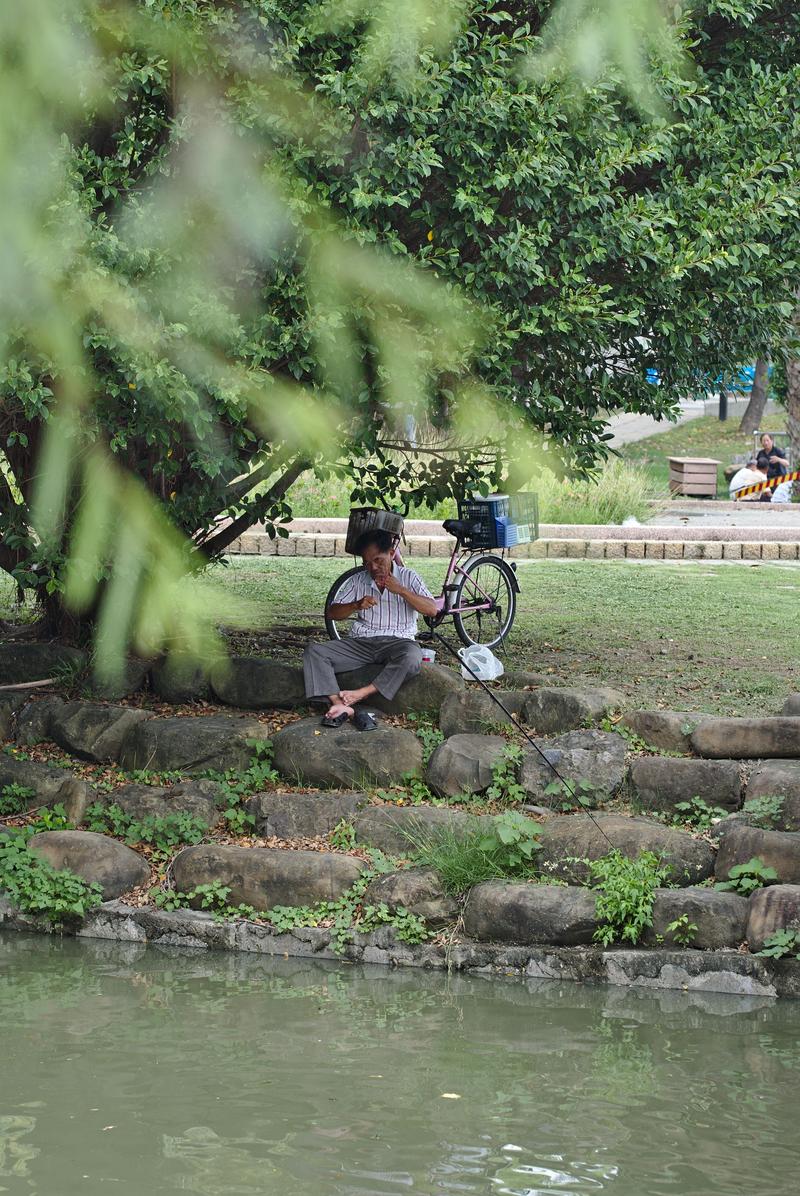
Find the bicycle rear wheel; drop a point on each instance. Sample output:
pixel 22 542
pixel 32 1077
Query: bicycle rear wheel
pixel 331 626
pixel 485 578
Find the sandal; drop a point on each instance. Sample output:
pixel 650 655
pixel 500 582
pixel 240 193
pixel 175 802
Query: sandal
pixel 364 721
pixel 335 720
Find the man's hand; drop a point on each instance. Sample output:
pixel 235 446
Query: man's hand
pixel 366 602
pixel 390 582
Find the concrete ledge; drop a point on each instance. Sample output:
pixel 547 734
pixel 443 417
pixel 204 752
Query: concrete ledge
pixel 659 969
pixel 635 545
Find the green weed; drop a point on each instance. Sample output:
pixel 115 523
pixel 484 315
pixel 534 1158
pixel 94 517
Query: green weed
pixel 429 735
pixel 682 930
pixel 764 811
pixel 697 814
pixel 781 943
pixel 505 788
pixel 746 878
pixel 163 833
pixel 466 857
pixel 15 799
pixel 625 892
pixel 35 887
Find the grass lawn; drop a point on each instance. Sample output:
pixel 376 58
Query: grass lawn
pixel 688 637
pixel 705 437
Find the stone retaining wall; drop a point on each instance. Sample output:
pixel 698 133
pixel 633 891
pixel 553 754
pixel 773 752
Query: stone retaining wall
pixel 637 545
pixel 654 969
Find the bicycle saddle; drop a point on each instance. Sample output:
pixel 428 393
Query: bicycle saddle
pixel 458 527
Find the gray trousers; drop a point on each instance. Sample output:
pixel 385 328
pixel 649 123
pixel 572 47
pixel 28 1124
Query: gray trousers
pixel 401 659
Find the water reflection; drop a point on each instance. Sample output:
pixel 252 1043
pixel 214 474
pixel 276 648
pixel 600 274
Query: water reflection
pixel 167 1072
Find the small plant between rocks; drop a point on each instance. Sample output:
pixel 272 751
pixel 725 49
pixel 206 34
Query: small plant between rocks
pixel 161 832
pixel 781 943
pixel 35 887
pixel 682 930
pixel 505 788
pixel 427 733
pixel 465 858
pixel 572 793
pixel 746 878
pixel 15 799
pixel 625 893
pixel 697 814
pixel 764 812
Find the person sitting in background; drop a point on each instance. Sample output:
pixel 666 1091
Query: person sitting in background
pixel 783 493
pixel 385 599
pixel 774 459
pixel 749 475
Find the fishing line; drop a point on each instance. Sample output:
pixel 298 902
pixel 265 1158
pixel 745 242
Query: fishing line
pixel 568 786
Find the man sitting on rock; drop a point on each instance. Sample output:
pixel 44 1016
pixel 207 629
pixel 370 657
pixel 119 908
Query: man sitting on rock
pixel 386 599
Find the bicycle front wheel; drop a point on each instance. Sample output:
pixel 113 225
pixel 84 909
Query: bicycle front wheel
pixel 486 602
pixel 331 626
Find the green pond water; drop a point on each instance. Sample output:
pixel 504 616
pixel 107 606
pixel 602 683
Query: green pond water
pixel 134 1070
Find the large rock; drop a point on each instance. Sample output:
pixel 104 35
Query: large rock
pixel 91 730
pixel 661 783
pixel 747 738
pixel 265 876
pixel 791 707
pixel 778 778
pixel 776 849
pixel 257 684
pixel 33 720
pixel 112 865
pixel 302 815
pixel 7 711
pixel 178 680
pixel 308 753
pixel 670 730
pixel 473 712
pixel 397 830
pixel 774 908
pixel 50 786
pixel 568 841
pixel 502 911
pixel 131 680
pixel 37 662
pixel 199 798
pixel 195 744
pixel 551 710
pixel 424 693
pixel 524 679
pixel 418 890
pixel 595 757
pixel 463 764
pixel 720 918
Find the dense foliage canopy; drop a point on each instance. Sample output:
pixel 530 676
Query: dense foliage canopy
pixel 254 186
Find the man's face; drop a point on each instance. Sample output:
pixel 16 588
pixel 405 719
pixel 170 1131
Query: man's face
pixel 378 564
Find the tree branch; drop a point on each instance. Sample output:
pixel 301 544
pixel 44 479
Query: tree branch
pixel 220 541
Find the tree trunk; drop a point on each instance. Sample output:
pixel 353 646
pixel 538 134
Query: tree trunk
pixel 793 406
pixel 751 420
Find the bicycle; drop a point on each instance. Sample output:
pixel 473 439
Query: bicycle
pixel 479 592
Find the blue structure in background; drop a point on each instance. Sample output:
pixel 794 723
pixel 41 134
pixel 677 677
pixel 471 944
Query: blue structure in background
pixel 741 384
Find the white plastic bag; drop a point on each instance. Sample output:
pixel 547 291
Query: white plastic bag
pixel 483 663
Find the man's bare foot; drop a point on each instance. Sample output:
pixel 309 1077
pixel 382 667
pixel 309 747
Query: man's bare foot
pixel 338 708
pixel 349 697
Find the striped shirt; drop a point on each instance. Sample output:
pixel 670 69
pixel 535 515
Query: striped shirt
pixel 391 615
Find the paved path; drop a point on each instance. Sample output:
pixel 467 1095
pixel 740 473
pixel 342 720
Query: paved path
pixel 627 429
